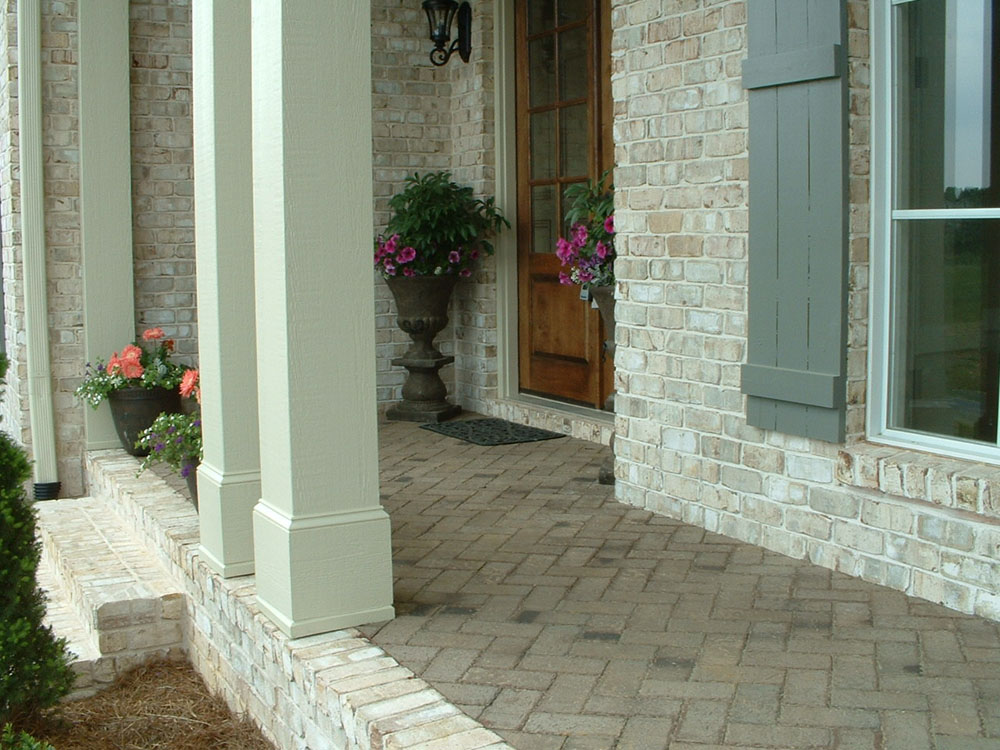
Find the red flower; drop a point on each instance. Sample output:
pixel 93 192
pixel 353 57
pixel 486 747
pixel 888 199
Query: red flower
pixel 151 334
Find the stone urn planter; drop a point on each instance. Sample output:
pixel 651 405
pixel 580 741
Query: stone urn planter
pixel 604 296
pixel 134 409
pixel 422 312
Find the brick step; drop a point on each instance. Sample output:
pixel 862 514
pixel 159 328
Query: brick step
pixel 108 594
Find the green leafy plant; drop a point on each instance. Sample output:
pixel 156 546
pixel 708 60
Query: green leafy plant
pixel 135 367
pixel 437 228
pixel 589 253
pixel 173 439
pixel 34 664
pixel 11 740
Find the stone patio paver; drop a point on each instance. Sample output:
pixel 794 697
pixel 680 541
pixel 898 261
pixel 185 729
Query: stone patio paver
pixel 563 619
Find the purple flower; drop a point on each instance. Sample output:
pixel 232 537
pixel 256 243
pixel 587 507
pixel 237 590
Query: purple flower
pixel 196 423
pixel 158 447
pixel 186 470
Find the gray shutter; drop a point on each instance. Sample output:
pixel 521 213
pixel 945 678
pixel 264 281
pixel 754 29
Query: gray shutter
pixel 797 276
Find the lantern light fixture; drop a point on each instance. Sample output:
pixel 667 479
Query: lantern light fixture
pixel 440 14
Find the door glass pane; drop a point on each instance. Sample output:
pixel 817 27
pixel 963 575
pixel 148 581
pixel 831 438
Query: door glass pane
pixel 544 219
pixel 947 317
pixel 573 73
pixel 573 10
pixel 946 155
pixel 543 145
pixel 541 70
pixel 574 143
pixel 541 15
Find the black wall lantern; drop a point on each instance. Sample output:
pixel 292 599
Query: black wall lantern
pixel 440 14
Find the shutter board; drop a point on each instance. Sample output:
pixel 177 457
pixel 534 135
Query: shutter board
pixel 794 377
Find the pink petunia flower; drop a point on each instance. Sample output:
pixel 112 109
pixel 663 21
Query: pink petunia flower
pixel 564 250
pixel 602 250
pixel 609 224
pixel 406 254
pixel 564 278
pixel 390 268
pixel 580 235
pixel 408 271
pixel 465 272
pixel 454 257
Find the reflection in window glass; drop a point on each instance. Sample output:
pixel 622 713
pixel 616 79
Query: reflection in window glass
pixel 945 374
pixel 573 69
pixel 543 145
pixel 544 219
pixel 571 11
pixel 541 15
pixel 573 141
pixel 945 154
pixel 541 70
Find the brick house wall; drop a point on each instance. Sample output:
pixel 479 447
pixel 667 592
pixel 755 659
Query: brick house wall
pixel 163 219
pixel 915 522
pixel 426 119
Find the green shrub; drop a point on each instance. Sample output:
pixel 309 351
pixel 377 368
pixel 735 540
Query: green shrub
pixel 11 740
pixel 34 664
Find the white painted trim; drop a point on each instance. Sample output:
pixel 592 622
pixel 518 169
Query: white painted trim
pixel 105 192
pixel 33 247
pixel 505 124
pixel 881 334
pixel 946 213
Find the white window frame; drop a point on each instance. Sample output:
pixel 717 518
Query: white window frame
pixel 881 342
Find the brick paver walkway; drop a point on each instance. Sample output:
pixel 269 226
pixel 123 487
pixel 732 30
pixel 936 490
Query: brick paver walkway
pixel 562 619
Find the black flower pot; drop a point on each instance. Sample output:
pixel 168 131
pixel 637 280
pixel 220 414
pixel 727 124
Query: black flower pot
pixel 134 410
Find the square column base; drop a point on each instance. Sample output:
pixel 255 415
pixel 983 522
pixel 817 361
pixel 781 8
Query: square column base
pixel 323 573
pixel 225 515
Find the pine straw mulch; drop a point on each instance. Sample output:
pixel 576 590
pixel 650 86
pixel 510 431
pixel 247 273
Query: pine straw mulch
pixel 162 705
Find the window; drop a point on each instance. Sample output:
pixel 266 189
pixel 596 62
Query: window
pixel 936 226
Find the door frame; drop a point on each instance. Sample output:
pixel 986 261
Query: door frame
pixel 505 124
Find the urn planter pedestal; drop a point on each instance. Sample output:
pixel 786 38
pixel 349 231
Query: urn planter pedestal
pixel 605 298
pixel 422 313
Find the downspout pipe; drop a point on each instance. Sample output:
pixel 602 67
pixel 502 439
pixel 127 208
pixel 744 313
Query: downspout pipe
pixel 33 250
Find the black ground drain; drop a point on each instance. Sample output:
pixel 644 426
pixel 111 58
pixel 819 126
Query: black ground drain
pixel 491 431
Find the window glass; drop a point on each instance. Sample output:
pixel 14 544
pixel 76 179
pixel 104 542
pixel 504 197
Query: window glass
pixel 543 145
pixel 541 70
pixel 943 326
pixel 544 219
pixel 573 71
pixel 945 153
pixel 571 11
pixel 946 368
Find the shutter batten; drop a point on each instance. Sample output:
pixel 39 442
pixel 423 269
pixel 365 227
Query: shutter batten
pixel 797 276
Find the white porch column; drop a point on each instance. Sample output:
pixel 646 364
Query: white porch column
pixel 323 559
pixel 229 475
pixel 105 192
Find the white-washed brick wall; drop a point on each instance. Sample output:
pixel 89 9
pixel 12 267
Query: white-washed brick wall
pixel 411 132
pixel 162 171
pixel 12 400
pixel 162 204
pixel 915 522
pixel 424 119
pixel 61 156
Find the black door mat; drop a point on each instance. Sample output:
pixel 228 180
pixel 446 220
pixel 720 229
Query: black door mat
pixel 491 431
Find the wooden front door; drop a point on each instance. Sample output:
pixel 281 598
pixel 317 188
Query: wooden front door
pixel 563 137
